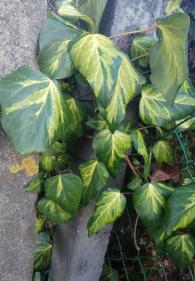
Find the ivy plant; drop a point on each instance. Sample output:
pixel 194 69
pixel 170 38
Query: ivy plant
pixel 122 105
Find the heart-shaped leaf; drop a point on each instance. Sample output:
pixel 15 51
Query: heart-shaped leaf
pixel 180 208
pixel 109 207
pixel 55 30
pixel 62 198
pixel 111 153
pixel 34 114
pixel 169 56
pixel 43 251
pixel 69 11
pixel 139 143
pixel 52 211
pixel 92 8
pixel 163 152
pixel 54 58
pixel 78 116
pixel 181 248
pixel 141 46
pixel 149 202
pixel 155 110
pixel 109 72
pixel 94 176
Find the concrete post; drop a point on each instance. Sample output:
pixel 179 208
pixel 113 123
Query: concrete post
pixel 20 22
pixel 75 256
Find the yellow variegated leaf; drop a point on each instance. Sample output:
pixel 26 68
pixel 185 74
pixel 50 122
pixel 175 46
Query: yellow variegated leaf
pixel 109 72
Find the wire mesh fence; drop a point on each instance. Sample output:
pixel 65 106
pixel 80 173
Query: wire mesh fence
pixel 132 253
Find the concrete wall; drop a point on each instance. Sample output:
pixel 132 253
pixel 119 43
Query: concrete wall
pixel 20 22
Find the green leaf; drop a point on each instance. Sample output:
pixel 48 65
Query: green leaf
pixel 78 117
pixel 169 56
pixel 66 190
pixel 34 114
pixel 141 46
pixel 149 202
pixel 94 176
pixel 47 162
pixel 93 8
pixel 184 103
pixel 62 198
pixel 163 152
pixel 134 183
pixel 139 143
pixel 173 6
pixel 53 212
pixel 56 31
pixel 153 108
pixel 109 207
pixel 180 208
pixel 181 248
pixel 39 222
pixel 54 58
pixel 43 251
pixel 97 123
pixel 110 148
pixel 69 11
pixel 36 184
pixel 94 55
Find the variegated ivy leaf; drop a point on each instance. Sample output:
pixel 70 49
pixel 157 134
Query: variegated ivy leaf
pixel 47 162
pixel 62 198
pixel 141 46
pixel 139 143
pixel 43 251
pixel 181 248
pixel 109 72
pixel 34 114
pixel 52 211
pixel 149 202
pixel 97 123
pixel 184 103
pixel 188 125
pixel 55 30
pixel 69 11
pixel 109 207
pixel 94 175
pixel 36 183
pixel 78 116
pixel 155 110
pixel 93 8
pixel 54 58
pixel 169 56
pixel 180 208
pixel 110 148
pixel 173 6
pixel 163 152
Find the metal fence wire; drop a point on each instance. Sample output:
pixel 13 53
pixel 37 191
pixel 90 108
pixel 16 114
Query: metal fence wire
pixel 144 261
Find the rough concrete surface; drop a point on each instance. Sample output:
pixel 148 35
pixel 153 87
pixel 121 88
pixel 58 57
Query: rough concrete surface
pixel 75 256
pixel 20 22
pixel 128 15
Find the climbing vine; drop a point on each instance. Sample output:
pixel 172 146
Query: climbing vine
pixel 133 107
